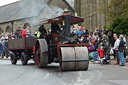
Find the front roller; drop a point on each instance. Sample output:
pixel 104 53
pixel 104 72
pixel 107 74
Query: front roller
pixel 82 53
pixel 74 58
pixel 41 56
pixel 68 53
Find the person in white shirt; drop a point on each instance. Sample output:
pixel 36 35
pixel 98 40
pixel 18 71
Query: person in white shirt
pixel 116 46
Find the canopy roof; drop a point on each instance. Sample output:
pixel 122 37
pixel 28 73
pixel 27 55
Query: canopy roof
pixel 60 19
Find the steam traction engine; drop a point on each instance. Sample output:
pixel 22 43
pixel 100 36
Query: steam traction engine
pixel 63 49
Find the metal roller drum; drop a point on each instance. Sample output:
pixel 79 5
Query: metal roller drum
pixel 81 53
pixel 75 58
pixel 67 54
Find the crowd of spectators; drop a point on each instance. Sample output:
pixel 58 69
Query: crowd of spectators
pixel 100 42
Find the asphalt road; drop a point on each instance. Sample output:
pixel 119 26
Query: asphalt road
pixel 31 75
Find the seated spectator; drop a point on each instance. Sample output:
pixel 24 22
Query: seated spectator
pixel 90 38
pixel 93 41
pixel 80 32
pixel 91 51
pixel 29 35
pixel 85 33
pixel 82 39
pixel 91 47
pixel 24 34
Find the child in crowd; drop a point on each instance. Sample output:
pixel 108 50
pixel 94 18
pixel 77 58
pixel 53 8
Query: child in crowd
pixel 101 52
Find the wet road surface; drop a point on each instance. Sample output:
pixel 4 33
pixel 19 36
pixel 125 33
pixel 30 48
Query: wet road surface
pixel 31 75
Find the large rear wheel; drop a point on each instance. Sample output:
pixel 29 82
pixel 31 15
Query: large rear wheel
pixel 13 58
pixel 41 55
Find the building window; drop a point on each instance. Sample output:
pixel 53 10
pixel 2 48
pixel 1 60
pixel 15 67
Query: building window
pixel 8 29
pixel 1 30
pixel 27 24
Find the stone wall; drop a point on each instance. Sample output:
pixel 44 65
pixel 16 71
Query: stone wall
pixel 90 10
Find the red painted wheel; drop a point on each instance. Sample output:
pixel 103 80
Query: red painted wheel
pixel 24 58
pixel 41 55
pixel 13 58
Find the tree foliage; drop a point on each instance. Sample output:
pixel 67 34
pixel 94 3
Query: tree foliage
pixel 117 15
pixel 120 26
pixel 116 9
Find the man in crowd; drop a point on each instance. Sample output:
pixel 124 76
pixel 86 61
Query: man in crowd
pixel 5 44
pixel 18 33
pixel 41 32
pixel 24 33
pixel 116 45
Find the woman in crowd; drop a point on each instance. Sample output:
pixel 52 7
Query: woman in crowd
pixel 121 50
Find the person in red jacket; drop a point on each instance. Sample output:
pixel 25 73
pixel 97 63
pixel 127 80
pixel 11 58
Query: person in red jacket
pixel 101 52
pixel 24 33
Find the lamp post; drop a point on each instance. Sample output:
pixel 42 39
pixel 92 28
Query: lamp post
pixel 12 26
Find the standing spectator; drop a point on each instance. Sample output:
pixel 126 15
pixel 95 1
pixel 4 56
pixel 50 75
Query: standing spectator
pixel 104 37
pixel 111 38
pixel 91 32
pixel 116 45
pixel 97 31
pixel 124 39
pixel 105 31
pixel 113 45
pixel 2 38
pixel 121 51
pixel 106 47
pixel 5 44
pixel 18 33
pixel 1 50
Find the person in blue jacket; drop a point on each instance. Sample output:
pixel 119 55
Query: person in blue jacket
pixel 1 49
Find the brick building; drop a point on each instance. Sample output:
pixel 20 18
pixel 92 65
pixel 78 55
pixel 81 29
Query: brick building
pixel 30 11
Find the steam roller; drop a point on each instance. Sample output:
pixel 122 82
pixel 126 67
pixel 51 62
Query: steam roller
pixel 62 47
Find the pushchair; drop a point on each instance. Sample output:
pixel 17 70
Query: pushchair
pixel 105 60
